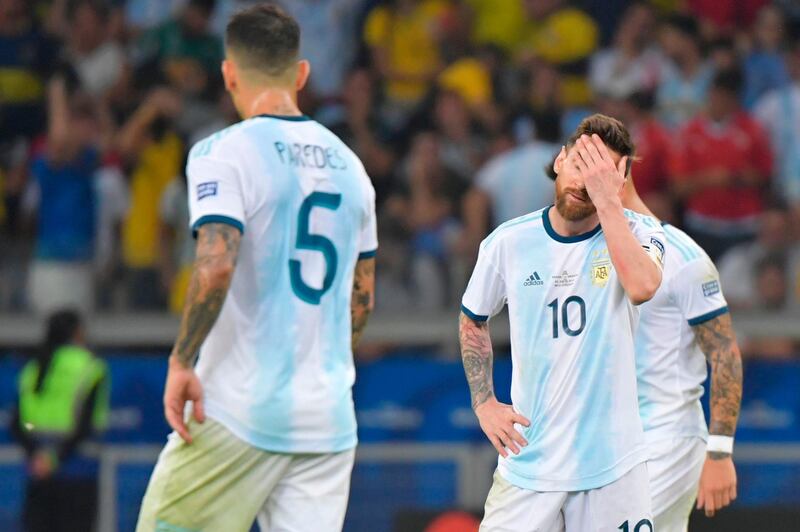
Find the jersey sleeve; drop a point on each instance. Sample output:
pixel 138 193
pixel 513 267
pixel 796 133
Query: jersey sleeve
pixel 216 193
pixel 697 291
pixel 368 242
pixel 486 291
pixel 650 235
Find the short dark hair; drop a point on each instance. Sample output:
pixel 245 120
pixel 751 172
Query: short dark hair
pixel 206 6
pixel 685 24
pixel 730 80
pixel 264 38
pixel 611 131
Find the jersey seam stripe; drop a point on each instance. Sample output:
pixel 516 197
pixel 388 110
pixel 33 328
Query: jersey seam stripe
pixel 694 250
pixel 528 218
pixel 216 219
pixel 367 254
pixel 699 320
pixel 684 241
pixel 679 245
pixel 691 245
pixel 471 315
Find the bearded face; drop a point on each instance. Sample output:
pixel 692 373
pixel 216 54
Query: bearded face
pixel 573 204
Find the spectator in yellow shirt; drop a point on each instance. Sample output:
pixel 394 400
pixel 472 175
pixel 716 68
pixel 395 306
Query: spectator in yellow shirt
pixel 156 153
pixel 403 37
pixel 500 23
pixel 565 37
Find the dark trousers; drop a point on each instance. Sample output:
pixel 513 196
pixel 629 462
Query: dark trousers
pixel 60 505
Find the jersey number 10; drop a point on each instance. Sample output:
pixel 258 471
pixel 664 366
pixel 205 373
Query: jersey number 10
pixel 565 316
pixel 309 241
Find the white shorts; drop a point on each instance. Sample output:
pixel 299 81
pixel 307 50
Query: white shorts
pixel 674 467
pixel 220 483
pixel 606 509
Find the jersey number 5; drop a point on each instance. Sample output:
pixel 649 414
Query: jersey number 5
pixel 306 240
pixel 565 316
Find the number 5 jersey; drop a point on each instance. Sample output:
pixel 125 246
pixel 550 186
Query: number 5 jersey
pixel 277 367
pixel 572 331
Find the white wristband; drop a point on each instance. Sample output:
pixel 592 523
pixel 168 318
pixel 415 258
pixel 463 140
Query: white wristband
pixel 719 444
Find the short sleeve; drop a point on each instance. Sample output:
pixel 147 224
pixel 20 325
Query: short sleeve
pixel 486 291
pixel 697 291
pixel 215 193
pixel 368 242
pixel 650 235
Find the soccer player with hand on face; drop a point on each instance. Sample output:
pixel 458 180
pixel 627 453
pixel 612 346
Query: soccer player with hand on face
pixel 571 444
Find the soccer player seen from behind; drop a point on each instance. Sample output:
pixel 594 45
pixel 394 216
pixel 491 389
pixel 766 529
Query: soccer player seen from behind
pixel 686 324
pixel 280 293
pixel 572 453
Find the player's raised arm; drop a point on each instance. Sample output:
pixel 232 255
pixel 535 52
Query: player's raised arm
pixel 638 270
pixel 217 249
pixel 363 298
pixel 718 480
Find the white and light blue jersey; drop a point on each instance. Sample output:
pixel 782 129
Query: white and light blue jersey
pixel 671 368
pixel 277 367
pixel 572 326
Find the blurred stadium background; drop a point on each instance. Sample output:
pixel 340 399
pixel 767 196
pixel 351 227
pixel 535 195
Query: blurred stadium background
pixel 455 107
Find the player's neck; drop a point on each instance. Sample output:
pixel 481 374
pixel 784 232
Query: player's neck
pixel 632 201
pixel 270 101
pixel 565 227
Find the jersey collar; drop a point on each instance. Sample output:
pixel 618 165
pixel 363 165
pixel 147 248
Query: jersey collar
pixel 289 118
pixel 565 239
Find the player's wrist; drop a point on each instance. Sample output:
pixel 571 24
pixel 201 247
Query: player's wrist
pixel 719 446
pixel 608 205
pixel 176 363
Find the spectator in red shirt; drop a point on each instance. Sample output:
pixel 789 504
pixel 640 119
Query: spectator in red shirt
pixel 720 168
pixel 653 149
pixel 725 16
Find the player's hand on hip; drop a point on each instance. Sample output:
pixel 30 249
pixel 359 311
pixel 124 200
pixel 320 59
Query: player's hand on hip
pixel 182 386
pixel 602 178
pixel 497 422
pixel 717 485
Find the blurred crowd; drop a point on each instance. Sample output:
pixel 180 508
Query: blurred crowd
pixel 455 107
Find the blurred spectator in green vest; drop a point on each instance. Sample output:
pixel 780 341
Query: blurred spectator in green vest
pixel 63 401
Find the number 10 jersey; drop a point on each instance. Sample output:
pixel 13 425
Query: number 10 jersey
pixel 277 367
pixel 572 331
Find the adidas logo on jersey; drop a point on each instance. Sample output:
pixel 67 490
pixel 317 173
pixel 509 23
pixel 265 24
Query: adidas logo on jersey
pixel 534 280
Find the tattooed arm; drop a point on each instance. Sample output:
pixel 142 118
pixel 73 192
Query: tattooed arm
pixel 718 342
pixel 217 250
pixel 363 298
pixel 496 419
pixel 476 354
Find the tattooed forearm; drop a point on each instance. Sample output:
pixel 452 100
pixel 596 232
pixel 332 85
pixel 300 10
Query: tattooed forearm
pixel 476 354
pixel 217 249
pixel 363 298
pixel 718 342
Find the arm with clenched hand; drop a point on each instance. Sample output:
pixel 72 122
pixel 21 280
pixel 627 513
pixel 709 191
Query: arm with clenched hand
pixel 217 250
pixel 718 342
pixel 496 419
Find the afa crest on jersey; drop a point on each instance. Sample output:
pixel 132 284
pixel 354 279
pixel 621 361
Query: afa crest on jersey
pixel 601 267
